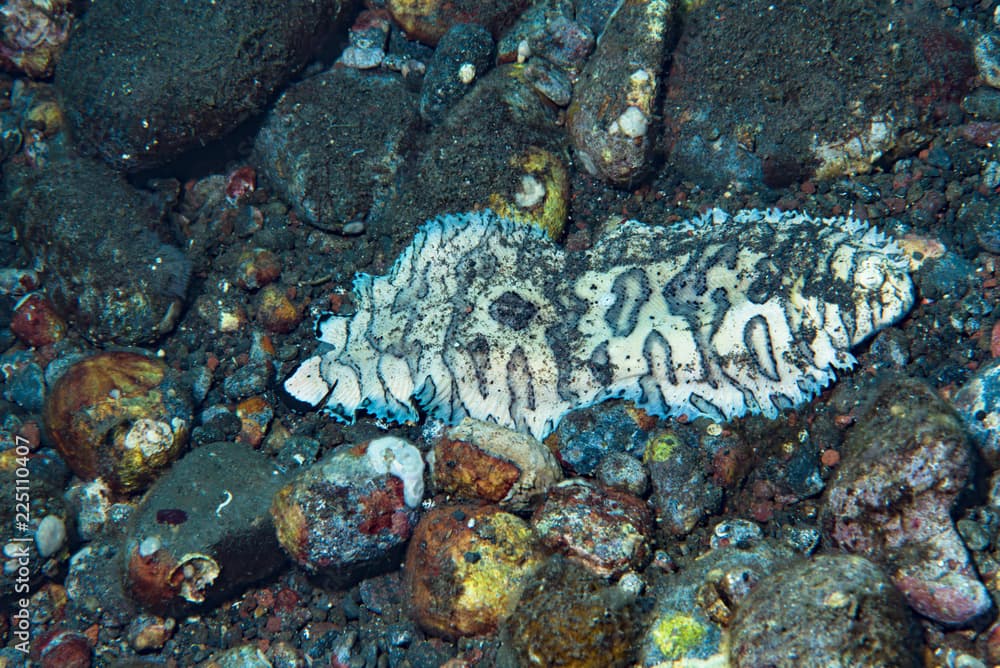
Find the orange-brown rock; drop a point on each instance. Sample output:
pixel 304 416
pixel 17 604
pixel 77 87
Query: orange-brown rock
pixel 428 21
pixel 482 461
pixel 118 416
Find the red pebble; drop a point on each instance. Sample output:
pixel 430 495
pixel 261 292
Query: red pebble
pixel 844 421
pixel 212 362
pixel 980 133
pixel 285 600
pixel 830 457
pixel 36 322
pixel 995 340
pixel 62 649
pixel 265 598
pixel 32 433
pixel 273 624
pixel 240 182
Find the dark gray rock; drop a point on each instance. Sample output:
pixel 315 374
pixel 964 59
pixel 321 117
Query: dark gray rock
pixel 981 215
pixel 107 273
pixel 950 275
pixel 586 437
pixel 143 82
pixel 203 531
pixel 463 46
pixel 623 471
pixel 332 144
pixel 683 490
pixel 94 585
pixel 615 113
pixel 746 107
pixel 835 611
pixel 480 156
pixel 983 103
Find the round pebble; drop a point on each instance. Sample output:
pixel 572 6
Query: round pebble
pixel 973 535
pixel 622 471
pixel 50 535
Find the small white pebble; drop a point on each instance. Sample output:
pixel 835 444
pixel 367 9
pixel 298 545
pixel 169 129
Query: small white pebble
pixel 968 661
pixel 149 546
pixel 361 58
pixel 467 73
pixel 640 76
pixel 523 51
pixel 50 535
pixel 413 68
pixel 354 228
pixel 631 584
pixel 532 192
pixel 632 123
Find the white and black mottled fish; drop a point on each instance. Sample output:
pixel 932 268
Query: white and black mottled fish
pixel 718 316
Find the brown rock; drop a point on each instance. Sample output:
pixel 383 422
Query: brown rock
pixel 605 530
pixel 428 21
pixel 615 101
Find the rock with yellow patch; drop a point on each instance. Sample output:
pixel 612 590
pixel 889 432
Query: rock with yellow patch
pixel 466 567
pixel 695 605
pixel 542 196
pixel 677 634
pixel 684 492
pixel 351 513
pixel 498 146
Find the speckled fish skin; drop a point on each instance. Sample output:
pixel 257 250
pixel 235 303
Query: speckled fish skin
pixel 718 316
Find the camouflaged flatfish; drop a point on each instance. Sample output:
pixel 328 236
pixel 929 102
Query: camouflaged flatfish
pixel 719 316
